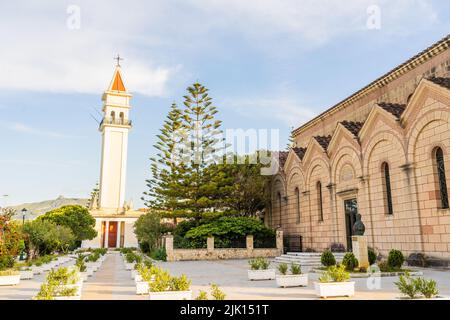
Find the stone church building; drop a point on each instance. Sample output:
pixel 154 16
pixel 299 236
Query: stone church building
pixel 383 152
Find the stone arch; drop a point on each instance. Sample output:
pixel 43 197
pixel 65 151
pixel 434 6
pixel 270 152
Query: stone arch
pixel 423 120
pixel 348 155
pixel 377 139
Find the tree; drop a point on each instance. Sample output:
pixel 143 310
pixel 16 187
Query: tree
pixel 148 231
pixel 166 167
pixel 291 141
pixel 11 243
pixel 241 189
pixel 203 147
pixel 76 218
pixel 93 199
pixel 44 237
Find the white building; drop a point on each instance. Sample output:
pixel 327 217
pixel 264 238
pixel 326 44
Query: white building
pixel 114 216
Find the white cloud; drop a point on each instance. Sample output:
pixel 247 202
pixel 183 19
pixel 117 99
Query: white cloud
pixel 40 53
pixel 23 128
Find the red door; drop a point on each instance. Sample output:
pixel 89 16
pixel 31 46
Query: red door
pixel 112 234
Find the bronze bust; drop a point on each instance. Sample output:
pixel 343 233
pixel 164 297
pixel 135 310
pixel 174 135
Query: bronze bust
pixel 358 227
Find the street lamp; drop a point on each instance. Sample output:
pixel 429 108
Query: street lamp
pixel 24 211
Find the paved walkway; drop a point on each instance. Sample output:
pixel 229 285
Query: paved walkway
pixel 111 281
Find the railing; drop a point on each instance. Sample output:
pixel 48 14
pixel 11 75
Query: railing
pixel 238 243
pixel 115 121
pixel 184 243
pixel 264 242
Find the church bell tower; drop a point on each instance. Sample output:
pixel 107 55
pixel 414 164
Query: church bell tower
pixel 114 127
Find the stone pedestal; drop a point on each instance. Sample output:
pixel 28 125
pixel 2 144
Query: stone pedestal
pixel 210 244
pixel 359 244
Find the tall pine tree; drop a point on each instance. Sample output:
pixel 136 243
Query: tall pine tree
pixel 166 167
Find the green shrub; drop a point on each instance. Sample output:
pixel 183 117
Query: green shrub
pixel 395 259
pixel 283 267
pixel 159 254
pixel 216 293
pixel 259 264
pixel 335 274
pixel 427 287
pixel 372 256
pixel 349 261
pixel 202 295
pixel 130 257
pixel 181 283
pixel 407 286
pixel 163 281
pixel 296 269
pixel 327 258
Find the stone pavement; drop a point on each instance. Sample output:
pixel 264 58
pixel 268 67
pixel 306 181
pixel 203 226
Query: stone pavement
pixel 113 282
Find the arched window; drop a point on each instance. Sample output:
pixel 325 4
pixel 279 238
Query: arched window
pixel 387 187
pixel 113 116
pixel 319 200
pixel 279 207
pixel 297 204
pixel 442 181
pixel 121 116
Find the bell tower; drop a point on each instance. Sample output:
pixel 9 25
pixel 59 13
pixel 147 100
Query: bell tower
pixel 114 127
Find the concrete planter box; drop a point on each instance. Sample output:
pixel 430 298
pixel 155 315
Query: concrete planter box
pixel 142 287
pixel 10 280
pixel 292 280
pixel 129 266
pixel 268 274
pixel 171 295
pixel 26 274
pixel 138 278
pixel 335 289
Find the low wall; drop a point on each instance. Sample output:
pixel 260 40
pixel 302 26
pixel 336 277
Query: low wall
pixel 211 253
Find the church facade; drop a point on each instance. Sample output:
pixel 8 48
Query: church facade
pixel 114 216
pixel 383 152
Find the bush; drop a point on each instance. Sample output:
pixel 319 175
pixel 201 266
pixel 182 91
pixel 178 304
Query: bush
pixel 349 261
pixel 372 256
pixel 327 258
pixel 427 287
pixel 283 267
pixel 217 293
pixel 395 259
pixel 148 230
pixel 296 269
pixel 159 254
pixel 407 286
pixel 335 274
pixel 163 281
pixel 259 264
pixel 202 295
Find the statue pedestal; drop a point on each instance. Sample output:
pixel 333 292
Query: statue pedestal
pixel 359 244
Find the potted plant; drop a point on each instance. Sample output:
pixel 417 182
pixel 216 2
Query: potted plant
pixel 51 291
pixel 166 287
pixel 130 260
pixel 295 279
pixel 146 274
pixel 61 284
pixel 259 270
pixel 334 283
pixel 418 288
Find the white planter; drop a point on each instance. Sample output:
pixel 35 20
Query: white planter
pixel 142 287
pixel 138 278
pixel 9 280
pixel 292 280
pixel 335 289
pixel 268 274
pixel 129 266
pixel 26 274
pixel 76 297
pixel 171 295
pixel 133 274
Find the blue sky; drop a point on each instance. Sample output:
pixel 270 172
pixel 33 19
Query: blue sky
pixel 268 64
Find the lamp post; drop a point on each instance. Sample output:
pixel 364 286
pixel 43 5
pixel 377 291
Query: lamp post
pixel 24 211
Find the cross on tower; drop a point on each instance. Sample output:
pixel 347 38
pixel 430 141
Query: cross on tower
pixel 118 58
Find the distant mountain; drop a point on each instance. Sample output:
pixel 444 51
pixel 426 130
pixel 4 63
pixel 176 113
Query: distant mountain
pixel 35 209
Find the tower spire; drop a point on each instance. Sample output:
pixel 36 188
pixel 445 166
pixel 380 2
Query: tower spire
pixel 118 58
